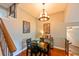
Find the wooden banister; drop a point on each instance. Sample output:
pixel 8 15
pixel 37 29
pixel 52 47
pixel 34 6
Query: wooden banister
pixel 8 39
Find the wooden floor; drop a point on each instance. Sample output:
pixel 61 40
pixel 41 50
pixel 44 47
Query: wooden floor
pixel 57 52
pixel 53 52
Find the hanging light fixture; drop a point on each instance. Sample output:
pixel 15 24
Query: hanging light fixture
pixel 43 15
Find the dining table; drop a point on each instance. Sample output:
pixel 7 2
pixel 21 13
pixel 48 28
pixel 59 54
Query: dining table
pixel 39 48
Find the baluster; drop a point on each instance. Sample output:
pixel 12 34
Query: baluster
pixel 4 47
pixel 67 47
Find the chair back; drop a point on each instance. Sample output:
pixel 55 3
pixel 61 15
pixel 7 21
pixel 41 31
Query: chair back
pixel 28 42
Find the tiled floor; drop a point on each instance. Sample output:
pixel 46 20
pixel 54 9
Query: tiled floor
pixel 53 52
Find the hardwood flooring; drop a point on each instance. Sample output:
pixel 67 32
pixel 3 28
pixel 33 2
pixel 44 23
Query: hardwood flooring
pixel 57 52
pixel 53 52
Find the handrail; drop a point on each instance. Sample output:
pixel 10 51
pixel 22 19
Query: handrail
pixel 75 46
pixel 8 39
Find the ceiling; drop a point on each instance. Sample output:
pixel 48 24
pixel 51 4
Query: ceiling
pixel 5 5
pixel 35 9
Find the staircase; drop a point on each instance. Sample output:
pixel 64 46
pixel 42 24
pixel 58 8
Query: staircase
pixel 6 43
pixel 0 51
pixel 74 50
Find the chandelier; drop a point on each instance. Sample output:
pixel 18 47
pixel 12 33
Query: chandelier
pixel 43 15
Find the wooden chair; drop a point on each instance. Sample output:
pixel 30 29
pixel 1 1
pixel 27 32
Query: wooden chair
pixel 44 48
pixel 47 49
pixel 35 49
pixel 28 51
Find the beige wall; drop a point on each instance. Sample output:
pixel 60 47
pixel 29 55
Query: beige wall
pixel 72 22
pixel 24 16
pixel 15 27
pixel 72 12
pixel 57 28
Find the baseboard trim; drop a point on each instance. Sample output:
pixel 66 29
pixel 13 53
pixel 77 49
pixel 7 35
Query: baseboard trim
pixel 20 51
pixel 26 48
pixel 75 46
pixel 59 48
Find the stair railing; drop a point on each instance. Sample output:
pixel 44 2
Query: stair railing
pixel 7 44
pixel 67 43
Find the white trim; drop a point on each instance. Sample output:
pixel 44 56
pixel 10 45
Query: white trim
pixel 20 51
pixel 59 48
pixel 26 48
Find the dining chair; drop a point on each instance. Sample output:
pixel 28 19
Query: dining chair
pixel 35 49
pixel 28 51
pixel 44 48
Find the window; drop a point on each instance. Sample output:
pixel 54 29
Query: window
pixel 3 12
pixel 12 10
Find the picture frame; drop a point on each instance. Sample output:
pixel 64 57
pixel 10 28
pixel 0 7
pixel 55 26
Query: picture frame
pixel 12 10
pixel 46 28
pixel 26 27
